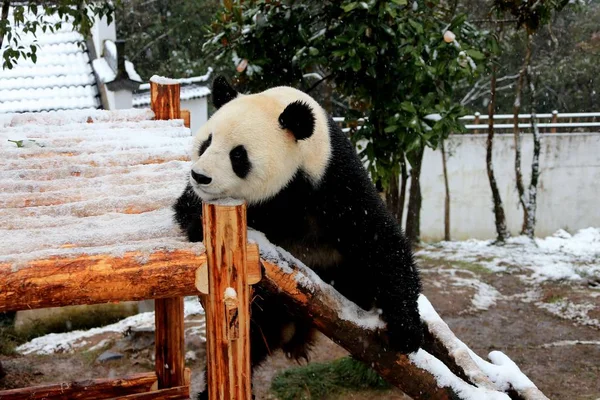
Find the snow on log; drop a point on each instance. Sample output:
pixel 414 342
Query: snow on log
pixel 420 375
pixel 502 374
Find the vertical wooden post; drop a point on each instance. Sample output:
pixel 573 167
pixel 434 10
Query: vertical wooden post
pixel 227 302
pixel 164 98
pixel 477 114
pixel 554 121
pixel 185 115
pixel 169 336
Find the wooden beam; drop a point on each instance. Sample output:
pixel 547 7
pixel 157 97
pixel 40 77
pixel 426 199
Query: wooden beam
pixel 176 393
pixel 93 279
pixel 228 302
pixel 87 389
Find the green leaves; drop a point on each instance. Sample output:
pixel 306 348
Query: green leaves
pixel 385 58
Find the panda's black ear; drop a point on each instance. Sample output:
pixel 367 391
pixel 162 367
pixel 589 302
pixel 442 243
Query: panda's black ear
pixel 299 119
pixel 222 92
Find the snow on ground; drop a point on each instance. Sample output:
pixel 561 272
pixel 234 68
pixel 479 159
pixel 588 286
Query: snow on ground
pixel 561 256
pixel 70 341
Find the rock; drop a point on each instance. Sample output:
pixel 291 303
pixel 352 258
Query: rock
pixel 109 356
pixel 2 372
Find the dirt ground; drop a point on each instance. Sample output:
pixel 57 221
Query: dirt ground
pixel 550 330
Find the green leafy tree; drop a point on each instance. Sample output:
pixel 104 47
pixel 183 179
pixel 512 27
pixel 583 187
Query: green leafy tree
pixel 388 59
pixel 19 18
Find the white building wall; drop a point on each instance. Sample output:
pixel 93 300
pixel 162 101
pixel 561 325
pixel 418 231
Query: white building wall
pixel 568 190
pixel 198 112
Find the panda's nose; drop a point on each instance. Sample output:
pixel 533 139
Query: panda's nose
pixel 201 179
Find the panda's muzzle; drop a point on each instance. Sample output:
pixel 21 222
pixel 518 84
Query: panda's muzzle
pixel 201 179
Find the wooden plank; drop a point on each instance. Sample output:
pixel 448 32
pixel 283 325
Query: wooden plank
pixel 228 302
pixel 180 392
pixel 87 389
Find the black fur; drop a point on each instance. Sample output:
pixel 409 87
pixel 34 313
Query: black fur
pixel 239 161
pixel 299 119
pixel 343 213
pixel 222 92
pixel 205 145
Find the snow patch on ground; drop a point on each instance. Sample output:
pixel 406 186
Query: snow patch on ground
pixel 561 256
pixel 571 311
pixel 485 295
pixel 70 341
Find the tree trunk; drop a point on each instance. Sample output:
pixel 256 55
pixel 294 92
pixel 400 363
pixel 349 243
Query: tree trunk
pixel 447 200
pixel 402 200
pixel 413 216
pixel 4 16
pixel 500 218
pixel 535 163
pixel 517 132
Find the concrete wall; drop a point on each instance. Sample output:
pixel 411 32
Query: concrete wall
pixel 568 191
pixel 198 112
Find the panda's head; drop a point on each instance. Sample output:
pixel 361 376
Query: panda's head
pixel 254 145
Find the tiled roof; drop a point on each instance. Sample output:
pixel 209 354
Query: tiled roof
pixel 61 79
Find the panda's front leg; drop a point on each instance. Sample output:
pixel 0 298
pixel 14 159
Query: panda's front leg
pixel 188 214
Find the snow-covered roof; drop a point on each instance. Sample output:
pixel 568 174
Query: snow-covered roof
pixel 89 182
pixel 106 67
pixel 62 77
pixel 187 92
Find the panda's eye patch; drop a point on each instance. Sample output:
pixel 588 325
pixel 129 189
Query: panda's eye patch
pixel 205 145
pixel 239 161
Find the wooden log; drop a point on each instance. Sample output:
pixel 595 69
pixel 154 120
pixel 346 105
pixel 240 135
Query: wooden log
pixel 86 389
pixel 169 338
pixel 164 98
pixel 186 116
pixel 170 342
pixel 93 279
pixel 228 302
pixel 413 374
pixel 371 349
pixel 180 392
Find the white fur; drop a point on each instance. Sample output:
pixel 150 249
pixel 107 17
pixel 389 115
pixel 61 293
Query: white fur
pixel 275 155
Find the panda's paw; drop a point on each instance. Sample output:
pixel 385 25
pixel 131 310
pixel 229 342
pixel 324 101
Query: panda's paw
pixel 405 337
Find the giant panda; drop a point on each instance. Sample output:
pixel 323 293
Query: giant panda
pixel 308 192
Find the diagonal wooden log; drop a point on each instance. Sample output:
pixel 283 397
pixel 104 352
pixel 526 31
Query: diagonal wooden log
pixel 420 375
pixel 323 304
